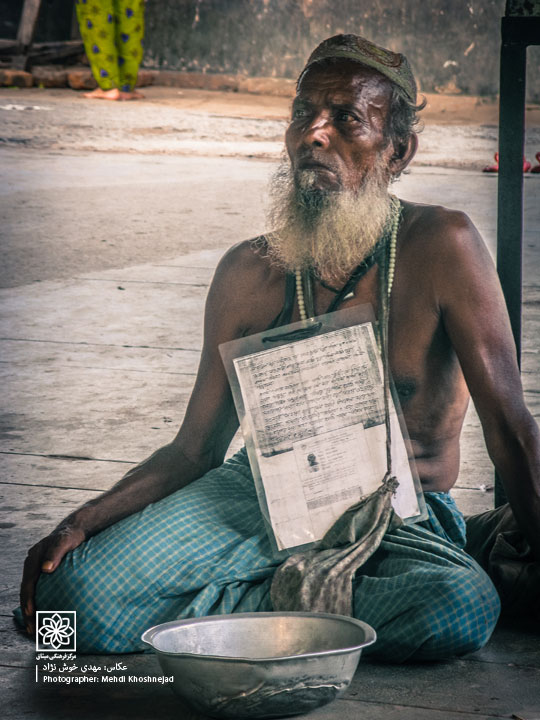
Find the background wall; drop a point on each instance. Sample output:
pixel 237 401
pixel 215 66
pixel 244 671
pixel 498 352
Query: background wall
pixel 453 45
pixel 54 22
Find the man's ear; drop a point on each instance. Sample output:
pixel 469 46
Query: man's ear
pixel 403 154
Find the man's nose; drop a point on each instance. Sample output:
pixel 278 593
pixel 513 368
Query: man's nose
pixel 317 132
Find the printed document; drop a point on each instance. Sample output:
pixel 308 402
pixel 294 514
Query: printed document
pixel 315 411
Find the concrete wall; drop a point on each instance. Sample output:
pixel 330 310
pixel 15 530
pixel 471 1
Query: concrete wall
pixel 450 43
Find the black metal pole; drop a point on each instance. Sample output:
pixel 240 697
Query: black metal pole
pixel 510 187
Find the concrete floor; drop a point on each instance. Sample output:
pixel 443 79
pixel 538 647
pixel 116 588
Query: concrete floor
pixel 107 259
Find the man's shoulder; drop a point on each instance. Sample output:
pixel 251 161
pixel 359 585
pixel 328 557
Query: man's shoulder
pixel 443 246
pixel 245 270
pixel 247 290
pixel 245 254
pixel 246 261
pixel 438 230
pixel 436 220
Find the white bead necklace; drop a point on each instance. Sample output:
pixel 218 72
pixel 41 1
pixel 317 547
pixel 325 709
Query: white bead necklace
pixel 396 205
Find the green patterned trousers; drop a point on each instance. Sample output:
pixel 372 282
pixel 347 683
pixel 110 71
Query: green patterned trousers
pixel 203 550
pixel 112 32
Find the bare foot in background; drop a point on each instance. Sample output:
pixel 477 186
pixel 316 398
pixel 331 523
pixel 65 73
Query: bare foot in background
pixel 113 94
pixel 131 95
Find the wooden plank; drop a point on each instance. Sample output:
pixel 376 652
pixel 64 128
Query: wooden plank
pixel 27 24
pixel 203 259
pixel 63 473
pixel 7 46
pixel 515 642
pixel 45 356
pixel 38 56
pixel 144 700
pixel 174 274
pixel 57 49
pixel 98 414
pixel 499 689
pixel 25 34
pixel 79 311
pixel 45 55
pixel 140 701
pixel 354 710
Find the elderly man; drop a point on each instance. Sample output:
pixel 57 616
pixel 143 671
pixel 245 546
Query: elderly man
pixel 182 534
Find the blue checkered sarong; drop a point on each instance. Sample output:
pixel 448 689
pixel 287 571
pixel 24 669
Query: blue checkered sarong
pixel 204 550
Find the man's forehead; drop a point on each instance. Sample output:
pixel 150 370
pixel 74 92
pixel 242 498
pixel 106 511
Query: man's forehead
pixel 346 81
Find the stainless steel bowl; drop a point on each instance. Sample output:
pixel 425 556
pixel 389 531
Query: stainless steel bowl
pixel 260 665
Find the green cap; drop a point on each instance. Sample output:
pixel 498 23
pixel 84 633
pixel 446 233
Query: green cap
pixel 394 66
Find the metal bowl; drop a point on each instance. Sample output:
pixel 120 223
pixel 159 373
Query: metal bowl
pixel 260 665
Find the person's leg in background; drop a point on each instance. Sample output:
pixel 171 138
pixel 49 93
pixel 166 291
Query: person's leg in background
pixel 129 44
pixel 112 32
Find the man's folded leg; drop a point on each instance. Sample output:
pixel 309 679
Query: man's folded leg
pixel 426 598
pixel 203 550
pixel 200 551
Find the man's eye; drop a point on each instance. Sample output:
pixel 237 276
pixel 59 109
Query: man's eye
pixel 299 112
pixel 345 116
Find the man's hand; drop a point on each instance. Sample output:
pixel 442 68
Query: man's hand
pixel 45 556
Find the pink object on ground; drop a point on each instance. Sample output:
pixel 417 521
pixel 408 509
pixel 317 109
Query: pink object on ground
pixel 493 168
pixel 536 168
pixel 526 165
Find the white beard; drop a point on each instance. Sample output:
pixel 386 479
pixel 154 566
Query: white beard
pixel 330 232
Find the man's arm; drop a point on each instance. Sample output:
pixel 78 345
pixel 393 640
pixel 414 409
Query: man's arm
pixel 201 443
pixel 476 320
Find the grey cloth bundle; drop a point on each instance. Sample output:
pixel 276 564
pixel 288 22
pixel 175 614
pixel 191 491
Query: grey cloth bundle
pixel 321 580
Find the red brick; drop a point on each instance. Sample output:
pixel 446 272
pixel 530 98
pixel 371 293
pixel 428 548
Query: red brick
pixel 236 83
pixel 50 76
pixel 281 87
pixel 18 78
pixel 81 79
pixel 145 78
pixel 196 81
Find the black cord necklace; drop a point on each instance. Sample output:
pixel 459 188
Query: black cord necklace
pixel 356 275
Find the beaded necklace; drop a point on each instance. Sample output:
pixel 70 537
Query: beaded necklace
pixel 390 270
